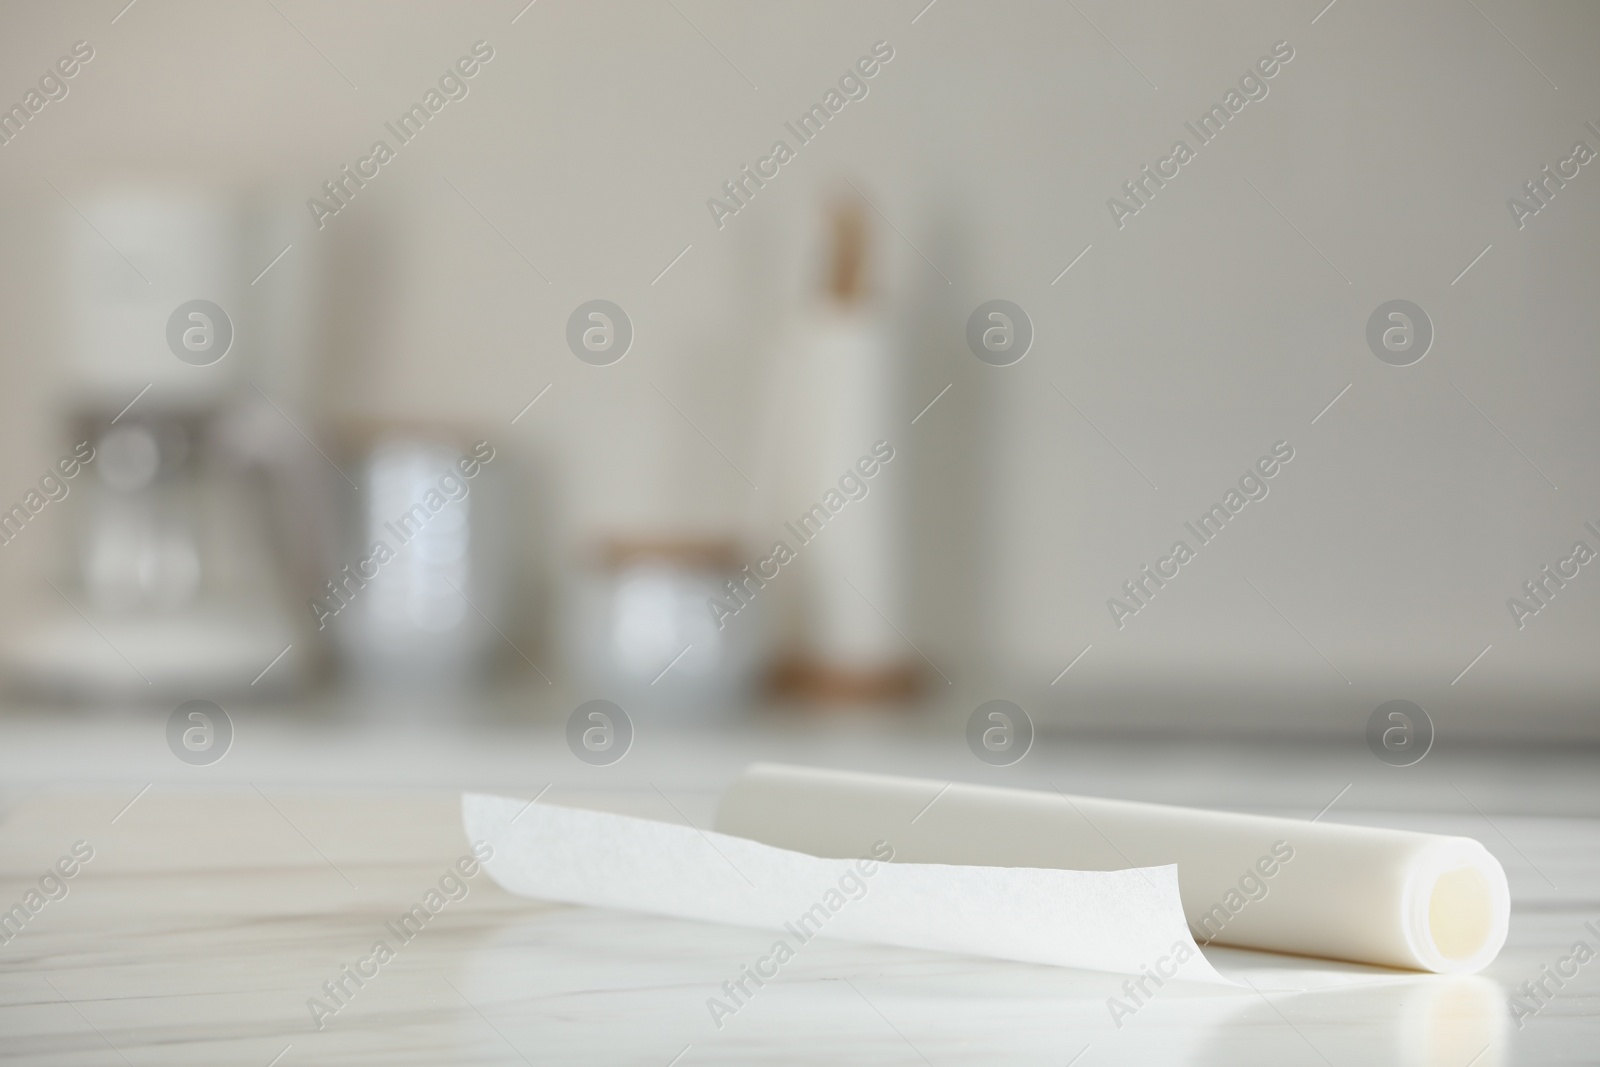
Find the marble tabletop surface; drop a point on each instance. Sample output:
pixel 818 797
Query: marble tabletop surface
pixel 218 901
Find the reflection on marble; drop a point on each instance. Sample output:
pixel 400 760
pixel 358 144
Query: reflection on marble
pixel 207 920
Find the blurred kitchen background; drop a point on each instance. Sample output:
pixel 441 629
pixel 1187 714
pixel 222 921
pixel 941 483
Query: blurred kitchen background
pixel 424 329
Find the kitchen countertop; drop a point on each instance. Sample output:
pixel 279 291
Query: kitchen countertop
pixel 219 900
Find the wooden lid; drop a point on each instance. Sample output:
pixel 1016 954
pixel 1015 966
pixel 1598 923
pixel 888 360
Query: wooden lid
pixel 834 686
pixel 696 553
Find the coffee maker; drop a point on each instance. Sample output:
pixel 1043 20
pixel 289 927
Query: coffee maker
pixel 166 577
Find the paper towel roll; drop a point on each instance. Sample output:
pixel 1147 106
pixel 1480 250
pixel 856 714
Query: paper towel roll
pixel 852 365
pixel 1390 897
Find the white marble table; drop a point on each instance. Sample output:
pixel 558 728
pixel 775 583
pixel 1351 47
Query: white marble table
pixel 223 898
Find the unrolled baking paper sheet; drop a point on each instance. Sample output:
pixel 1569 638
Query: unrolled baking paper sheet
pixel 1125 921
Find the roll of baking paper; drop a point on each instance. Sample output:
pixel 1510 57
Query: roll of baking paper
pixel 1390 897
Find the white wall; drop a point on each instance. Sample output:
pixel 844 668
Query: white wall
pixel 1206 329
